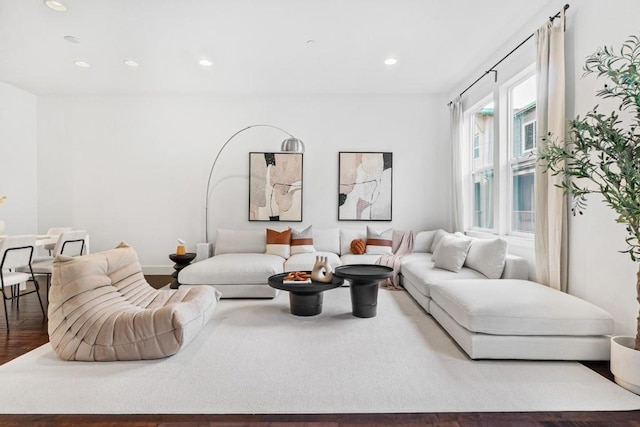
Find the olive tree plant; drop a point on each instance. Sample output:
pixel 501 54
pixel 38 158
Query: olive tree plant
pixel 602 154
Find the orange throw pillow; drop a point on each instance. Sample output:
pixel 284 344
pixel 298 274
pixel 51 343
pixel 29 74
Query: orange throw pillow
pixel 358 246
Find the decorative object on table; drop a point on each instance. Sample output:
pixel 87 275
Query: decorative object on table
pixel 181 261
pixel 180 249
pixel 290 145
pixel 602 157
pixel 297 277
pixel 364 280
pixel 321 270
pixel 304 299
pixel 275 187
pixel 365 186
pixel 358 246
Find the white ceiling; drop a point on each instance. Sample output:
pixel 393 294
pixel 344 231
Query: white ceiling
pixel 257 46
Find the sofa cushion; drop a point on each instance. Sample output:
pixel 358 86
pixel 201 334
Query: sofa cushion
pixel 240 241
pixel 358 246
pixel 487 256
pixel 519 307
pixel 231 269
pixel 279 242
pixel 347 236
pixel 302 241
pixel 327 240
pixel 422 274
pixel 305 262
pixel 451 253
pixel 379 242
pixel 423 241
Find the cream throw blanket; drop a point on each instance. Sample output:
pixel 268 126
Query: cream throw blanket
pixel 402 245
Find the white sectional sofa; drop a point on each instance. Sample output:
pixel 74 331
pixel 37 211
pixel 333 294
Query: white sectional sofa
pixel 239 267
pixel 477 292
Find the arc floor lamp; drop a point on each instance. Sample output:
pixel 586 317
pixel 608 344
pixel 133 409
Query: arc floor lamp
pixel 290 145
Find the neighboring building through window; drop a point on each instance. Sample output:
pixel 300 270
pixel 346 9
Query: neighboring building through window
pixel 482 165
pixel 522 101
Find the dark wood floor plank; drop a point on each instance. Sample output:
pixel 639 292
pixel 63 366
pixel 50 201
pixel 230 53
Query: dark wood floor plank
pixel 29 331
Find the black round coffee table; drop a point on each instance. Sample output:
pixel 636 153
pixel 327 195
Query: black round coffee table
pixel 305 299
pixel 364 280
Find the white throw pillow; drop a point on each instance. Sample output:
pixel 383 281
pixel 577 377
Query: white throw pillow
pixel 379 243
pixel 451 253
pixel 487 256
pixel 240 241
pixel 302 241
pixel 423 240
pixel 436 239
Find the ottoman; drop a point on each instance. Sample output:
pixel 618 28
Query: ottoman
pixel 520 319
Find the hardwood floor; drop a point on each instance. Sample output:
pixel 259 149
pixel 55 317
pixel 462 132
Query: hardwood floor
pixel 29 331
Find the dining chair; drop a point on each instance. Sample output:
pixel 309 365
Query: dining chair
pixel 69 243
pixel 55 232
pixel 16 253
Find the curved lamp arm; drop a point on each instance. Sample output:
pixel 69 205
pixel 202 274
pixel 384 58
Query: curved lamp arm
pixel 298 147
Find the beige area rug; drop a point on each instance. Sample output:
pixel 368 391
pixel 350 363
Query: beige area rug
pixel 255 357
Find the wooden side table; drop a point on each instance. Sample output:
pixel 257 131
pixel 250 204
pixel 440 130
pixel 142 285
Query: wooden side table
pixel 181 261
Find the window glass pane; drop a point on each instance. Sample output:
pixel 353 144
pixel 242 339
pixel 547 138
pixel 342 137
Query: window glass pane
pixel 523 208
pixel 483 199
pixel 523 113
pixel 482 165
pixel 483 136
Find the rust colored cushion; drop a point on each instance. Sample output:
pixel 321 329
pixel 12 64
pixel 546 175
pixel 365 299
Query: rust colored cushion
pixel 279 242
pixel 358 246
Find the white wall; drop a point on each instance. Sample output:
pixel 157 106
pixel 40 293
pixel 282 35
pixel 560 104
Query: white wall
pixel 18 165
pixel 135 168
pixel 598 272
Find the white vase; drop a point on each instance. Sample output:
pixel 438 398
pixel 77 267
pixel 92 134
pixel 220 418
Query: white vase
pixel 625 363
pixel 1 227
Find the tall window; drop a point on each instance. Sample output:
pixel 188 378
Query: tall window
pixel 499 170
pixel 522 113
pixel 481 122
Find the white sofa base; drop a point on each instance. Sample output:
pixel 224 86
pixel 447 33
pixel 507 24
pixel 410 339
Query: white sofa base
pixel 528 347
pixel 244 291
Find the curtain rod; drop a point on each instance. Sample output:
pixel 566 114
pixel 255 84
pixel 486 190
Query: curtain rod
pixel 492 70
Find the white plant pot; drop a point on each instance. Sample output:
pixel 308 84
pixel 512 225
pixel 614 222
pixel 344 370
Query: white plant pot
pixel 625 363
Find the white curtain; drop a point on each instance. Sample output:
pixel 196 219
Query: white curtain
pixel 551 205
pixel 456 160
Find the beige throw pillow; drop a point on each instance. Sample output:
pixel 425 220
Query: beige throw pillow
pixel 279 242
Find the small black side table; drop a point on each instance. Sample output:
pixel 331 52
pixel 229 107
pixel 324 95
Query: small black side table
pixel 181 261
pixel 364 280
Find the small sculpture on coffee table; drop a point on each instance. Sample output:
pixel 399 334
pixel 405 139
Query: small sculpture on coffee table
pixel 321 270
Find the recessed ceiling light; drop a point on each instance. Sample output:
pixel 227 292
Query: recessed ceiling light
pixel 55 5
pixel 72 39
pixel 390 61
pixel 82 64
pixel 205 62
pixel 130 62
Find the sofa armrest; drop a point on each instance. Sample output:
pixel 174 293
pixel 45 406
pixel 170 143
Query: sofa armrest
pixel 203 251
pixel 515 267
